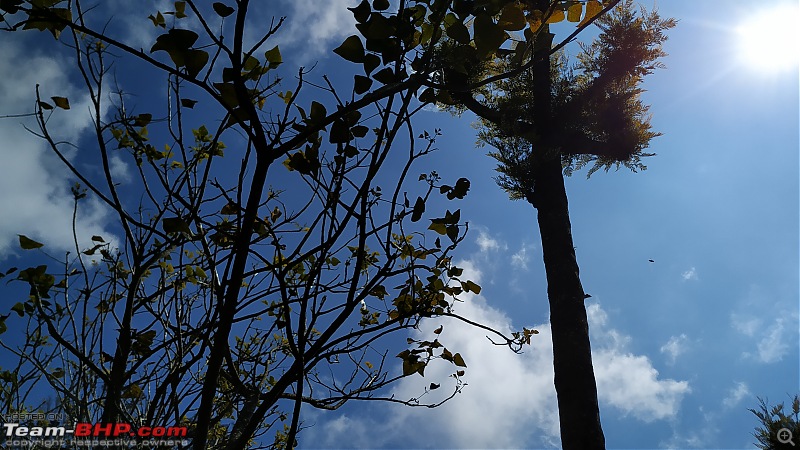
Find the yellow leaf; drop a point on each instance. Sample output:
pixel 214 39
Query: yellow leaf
pixel 61 102
pixel 27 243
pixel 574 12
pixel 593 8
pixel 534 19
pixel 556 16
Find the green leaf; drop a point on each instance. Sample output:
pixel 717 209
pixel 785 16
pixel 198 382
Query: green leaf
pixel 194 61
pixel 435 386
pixel 230 208
pixel 371 62
pixel 379 291
pixel 304 162
pixel 133 391
pixel 39 280
pixel 452 232
pixel 459 33
pixel 19 308
pixel 340 133
pixel 380 5
pixel 438 227
pixel 175 225
pixel 176 43
pixel 142 120
pixel 188 103
pixel 41 18
pixel 460 189
pixel 27 243
pixel 428 96
pixel 45 105
pixel 317 113
pixel 145 340
pixel 61 102
pixel 97 238
pixel 446 355
pixel 385 75
pixel 419 209
pixel 471 286
pixel 361 12
pixel 376 30
pixel 458 360
pixel 512 18
pixel 10 6
pixel 158 20
pixel 180 10
pixel 352 49
pixel 361 84
pixel 222 9
pixel 350 151
pixel 58 372
pixel 3 326
pixel 175 38
pixel 488 35
pixel 273 57
pixel 91 251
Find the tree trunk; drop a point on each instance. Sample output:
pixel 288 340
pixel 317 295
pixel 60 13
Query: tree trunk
pixel 576 390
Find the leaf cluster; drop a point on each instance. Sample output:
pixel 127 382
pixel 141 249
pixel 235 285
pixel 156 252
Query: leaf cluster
pixel 773 419
pixel 249 278
pixel 597 116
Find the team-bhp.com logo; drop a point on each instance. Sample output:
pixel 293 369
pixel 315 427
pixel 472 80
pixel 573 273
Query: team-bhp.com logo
pixel 94 430
pixel 111 433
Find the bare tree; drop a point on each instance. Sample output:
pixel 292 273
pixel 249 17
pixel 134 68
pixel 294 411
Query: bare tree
pixel 260 260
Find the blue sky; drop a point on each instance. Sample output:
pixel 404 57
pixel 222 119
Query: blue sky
pixel 682 346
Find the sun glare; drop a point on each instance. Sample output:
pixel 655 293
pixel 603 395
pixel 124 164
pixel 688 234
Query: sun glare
pixel 768 39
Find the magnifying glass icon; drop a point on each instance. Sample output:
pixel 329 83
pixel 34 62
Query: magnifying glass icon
pixel 785 436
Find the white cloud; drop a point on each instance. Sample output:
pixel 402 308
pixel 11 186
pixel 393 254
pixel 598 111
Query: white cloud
pixel 772 338
pixel 119 169
pixel 736 394
pixel 521 258
pixel 773 344
pixel 675 347
pixel 630 382
pixel 705 434
pixel 471 271
pixel 747 325
pixel 130 19
pixel 312 29
pixel 37 200
pixel 487 243
pixel 327 433
pixel 510 400
pixel 690 274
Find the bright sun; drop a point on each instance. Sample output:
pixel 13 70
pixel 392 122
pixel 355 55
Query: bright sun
pixel 768 39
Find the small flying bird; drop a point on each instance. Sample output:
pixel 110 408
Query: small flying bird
pixel 651 260
pixel 585 296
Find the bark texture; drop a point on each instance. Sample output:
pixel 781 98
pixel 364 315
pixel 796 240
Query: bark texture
pixel 576 389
